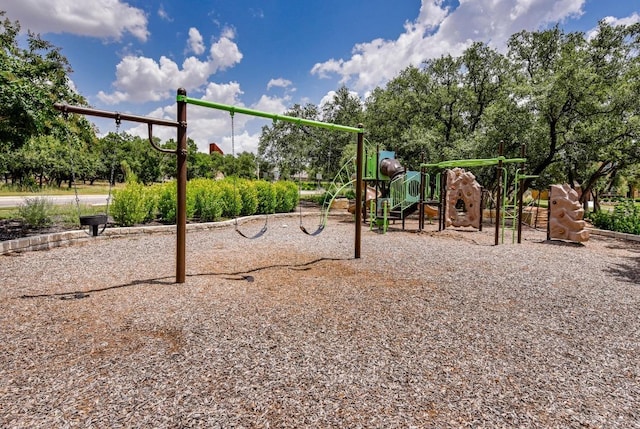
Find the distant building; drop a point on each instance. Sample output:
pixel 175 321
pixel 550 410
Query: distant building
pixel 215 148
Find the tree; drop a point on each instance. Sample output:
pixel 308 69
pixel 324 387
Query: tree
pixel 554 84
pixel 345 108
pixel 287 145
pixel 606 142
pixel 32 79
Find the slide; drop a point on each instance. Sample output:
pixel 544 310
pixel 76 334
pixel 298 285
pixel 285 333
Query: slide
pixel 370 194
pixel 431 211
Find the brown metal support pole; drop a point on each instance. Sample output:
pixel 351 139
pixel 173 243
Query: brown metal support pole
pixel 481 207
pixel 523 153
pixel 549 215
pixel 181 208
pixel 359 190
pixel 499 196
pixel 422 191
pixel 442 224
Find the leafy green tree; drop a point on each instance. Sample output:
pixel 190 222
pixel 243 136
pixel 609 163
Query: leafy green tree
pixel 246 165
pixel 553 83
pixel 217 163
pixel 397 117
pixel 287 145
pixel 605 144
pixel 326 154
pixel 32 79
pixel 201 165
pixel 168 163
pixel 46 158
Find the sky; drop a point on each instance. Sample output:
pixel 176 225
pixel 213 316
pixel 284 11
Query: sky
pixel 132 55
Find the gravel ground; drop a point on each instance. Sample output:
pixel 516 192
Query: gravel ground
pixel 436 329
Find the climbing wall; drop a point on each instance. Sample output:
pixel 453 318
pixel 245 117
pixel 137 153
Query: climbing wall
pixel 565 215
pixel 463 199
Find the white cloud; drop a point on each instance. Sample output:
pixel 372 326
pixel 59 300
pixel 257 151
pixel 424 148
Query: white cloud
pixel 634 18
pixel 163 14
pixel 144 79
pixel 438 31
pixel 279 83
pixel 224 53
pixel 195 42
pixel 208 125
pixel 107 19
pixel 629 20
pixel 274 105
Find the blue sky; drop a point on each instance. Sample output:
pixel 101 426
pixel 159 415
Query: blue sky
pixel 131 56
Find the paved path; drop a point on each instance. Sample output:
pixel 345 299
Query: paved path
pixel 16 201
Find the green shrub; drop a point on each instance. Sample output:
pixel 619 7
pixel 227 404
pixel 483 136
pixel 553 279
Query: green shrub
pixel 207 200
pixel 287 196
pixel 36 212
pixel 167 195
pixel 309 186
pixel 624 218
pixel 248 196
pixel 231 199
pixel 208 204
pixel 133 204
pixel 266 197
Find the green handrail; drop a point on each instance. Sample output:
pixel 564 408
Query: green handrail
pixel 474 162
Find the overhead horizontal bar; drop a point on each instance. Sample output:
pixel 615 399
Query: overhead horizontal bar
pixel 474 162
pixel 115 115
pixel 273 116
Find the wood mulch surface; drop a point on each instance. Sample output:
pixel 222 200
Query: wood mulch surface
pixel 432 329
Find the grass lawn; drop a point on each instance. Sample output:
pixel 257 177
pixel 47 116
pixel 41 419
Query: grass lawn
pixel 65 211
pixel 83 189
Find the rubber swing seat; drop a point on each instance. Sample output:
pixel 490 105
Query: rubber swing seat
pixel 93 221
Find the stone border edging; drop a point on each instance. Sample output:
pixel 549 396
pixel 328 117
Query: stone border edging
pixel 614 234
pixel 67 238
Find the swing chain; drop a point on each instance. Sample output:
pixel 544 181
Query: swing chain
pixel 65 113
pixel 233 144
pixel 235 190
pixel 113 164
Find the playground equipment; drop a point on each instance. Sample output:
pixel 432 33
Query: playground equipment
pixel 504 207
pixel 444 190
pixel 454 196
pixel 336 185
pixel 181 154
pixel 565 215
pixel 344 179
pixel 395 192
pixel 463 205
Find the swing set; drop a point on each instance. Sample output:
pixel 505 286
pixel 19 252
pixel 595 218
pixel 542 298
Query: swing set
pixel 181 155
pixel 95 220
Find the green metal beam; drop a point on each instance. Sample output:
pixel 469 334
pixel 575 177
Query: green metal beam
pixel 474 162
pixel 275 117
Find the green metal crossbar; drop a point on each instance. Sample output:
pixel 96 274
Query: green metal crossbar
pixel 474 162
pixel 273 116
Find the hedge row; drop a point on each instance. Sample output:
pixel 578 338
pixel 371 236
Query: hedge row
pixel 208 200
pixel 624 218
